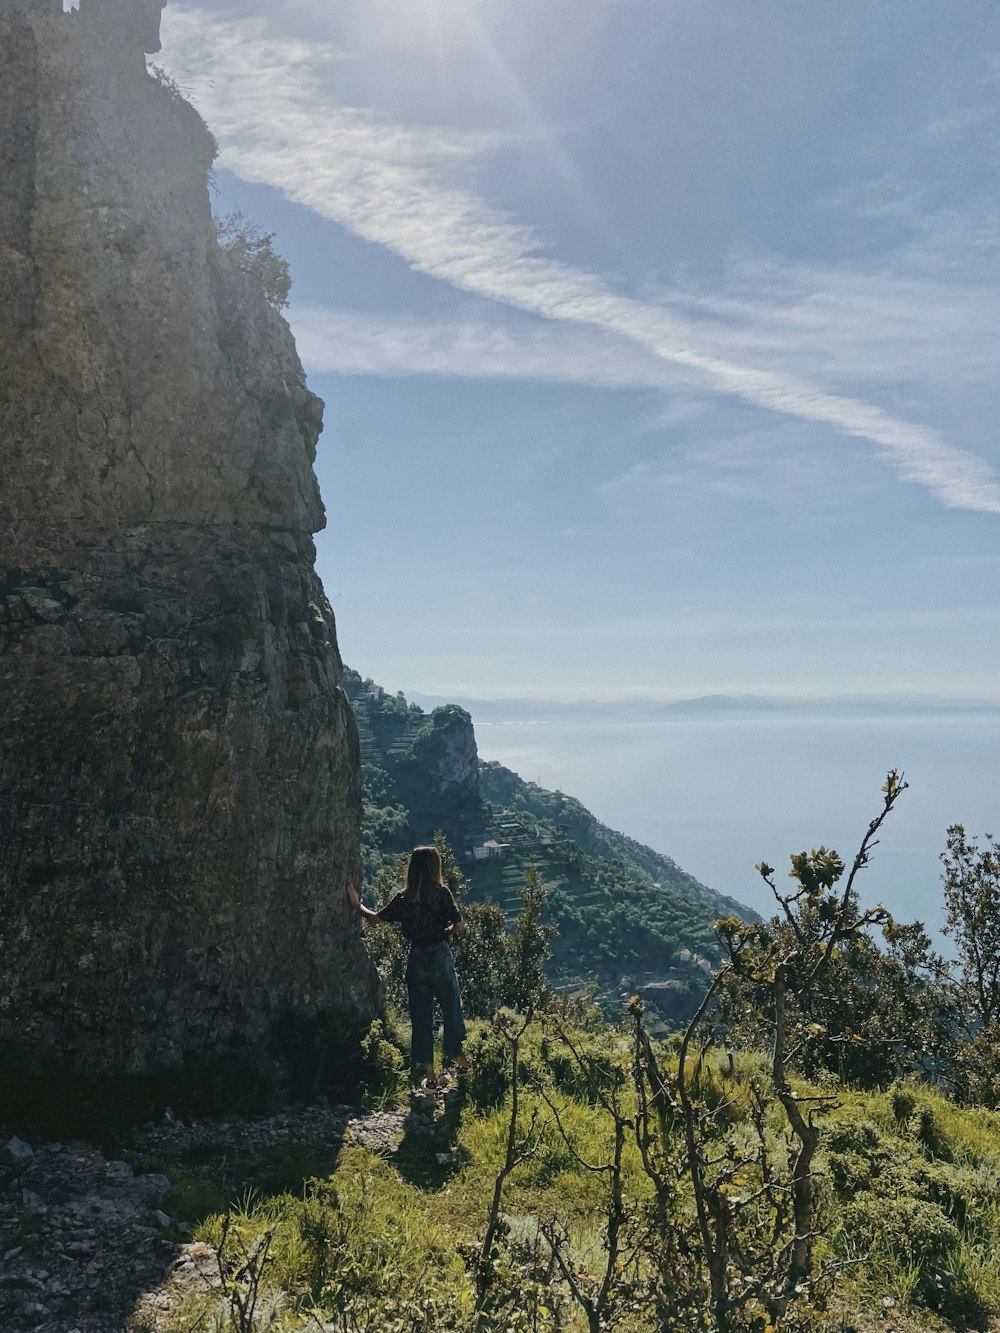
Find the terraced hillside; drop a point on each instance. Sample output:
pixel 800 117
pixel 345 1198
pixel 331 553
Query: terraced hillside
pixel 627 917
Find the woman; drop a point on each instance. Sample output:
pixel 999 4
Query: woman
pixel 428 916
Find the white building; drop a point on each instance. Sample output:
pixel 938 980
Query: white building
pixel 491 848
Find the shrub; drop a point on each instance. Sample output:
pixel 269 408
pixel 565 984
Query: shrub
pixel 930 1136
pixel 857 1156
pixel 251 249
pixel 850 1172
pixel 856 1136
pixel 903 1229
pixel 384 1064
pixel 583 1075
pixel 903 1101
pixel 489 1080
pixel 953 1190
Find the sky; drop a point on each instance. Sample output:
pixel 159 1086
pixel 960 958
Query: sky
pixel 659 340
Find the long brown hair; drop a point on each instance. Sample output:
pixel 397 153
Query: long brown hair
pixel 424 871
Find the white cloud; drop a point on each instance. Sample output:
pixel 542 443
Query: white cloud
pixel 765 470
pixel 350 342
pixel 908 326
pixel 265 100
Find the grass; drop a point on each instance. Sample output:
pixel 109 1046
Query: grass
pixel 202 1184
pixel 386 1239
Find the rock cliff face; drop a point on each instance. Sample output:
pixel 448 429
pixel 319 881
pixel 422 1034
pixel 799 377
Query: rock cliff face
pixel 421 773
pixel 447 759
pixel 179 789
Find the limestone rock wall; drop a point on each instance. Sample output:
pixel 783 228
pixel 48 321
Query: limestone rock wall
pixel 448 759
pixel 179 791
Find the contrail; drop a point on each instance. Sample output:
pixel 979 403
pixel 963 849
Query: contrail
pixel 383 182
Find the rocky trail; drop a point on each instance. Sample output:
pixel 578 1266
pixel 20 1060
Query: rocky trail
pixel 89 1242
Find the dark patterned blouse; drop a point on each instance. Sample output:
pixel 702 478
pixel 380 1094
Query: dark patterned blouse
pixel 425 922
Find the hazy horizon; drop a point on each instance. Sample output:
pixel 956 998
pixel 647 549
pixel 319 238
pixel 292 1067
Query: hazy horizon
pixel 902 703
pixel 718 794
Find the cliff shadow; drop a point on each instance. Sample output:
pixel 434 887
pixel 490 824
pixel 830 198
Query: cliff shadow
pixel 300 1061
pixel 430 1152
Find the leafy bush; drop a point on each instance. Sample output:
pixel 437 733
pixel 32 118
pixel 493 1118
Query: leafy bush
pixel 856 1136
pixel 951 1188
pixel 905 1229
pixel 489 1080
pixel 903 1101
pixel 481 959
pixel 929 1134
pixel 252 251
pixel 583 1072
pixel 384 1063
pixel 856 1155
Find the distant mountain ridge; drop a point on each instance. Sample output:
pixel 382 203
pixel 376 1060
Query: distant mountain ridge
pixel 727 705
pixel 624 912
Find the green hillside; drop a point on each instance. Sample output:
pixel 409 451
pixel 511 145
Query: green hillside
pixel 504 788
pixel 627 916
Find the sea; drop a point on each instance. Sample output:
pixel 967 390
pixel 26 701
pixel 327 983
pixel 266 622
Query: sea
pixel 718 794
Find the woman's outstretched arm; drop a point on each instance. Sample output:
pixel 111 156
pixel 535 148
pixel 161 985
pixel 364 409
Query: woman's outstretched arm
pixel 358 905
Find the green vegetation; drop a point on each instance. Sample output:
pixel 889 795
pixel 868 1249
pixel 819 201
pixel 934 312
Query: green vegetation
pixel 248 246
pixel 909 1230
pixel 546 810
pixel 738 1177
pixel 252 251
pixel 972 901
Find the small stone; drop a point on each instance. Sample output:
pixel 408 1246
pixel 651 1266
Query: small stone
pixel 162 1219
pixel 15 1151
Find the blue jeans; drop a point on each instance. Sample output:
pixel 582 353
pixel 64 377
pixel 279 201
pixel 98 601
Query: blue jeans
pixel 430 976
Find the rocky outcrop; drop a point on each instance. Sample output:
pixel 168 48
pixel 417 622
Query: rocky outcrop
pixel 421 772
pixel 447 758
pixel 179 789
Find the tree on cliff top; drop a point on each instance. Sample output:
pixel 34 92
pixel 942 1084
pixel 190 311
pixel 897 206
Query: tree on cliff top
pixel 252 250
